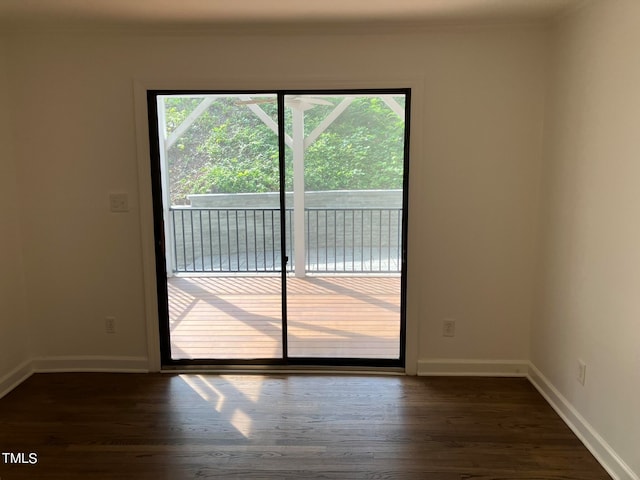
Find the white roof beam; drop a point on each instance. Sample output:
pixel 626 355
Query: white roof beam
pixel 329 119
pixel 393 105
pixel 187 122
pixel 266 119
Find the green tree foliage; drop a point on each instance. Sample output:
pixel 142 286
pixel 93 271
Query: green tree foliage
pixel 362 150
pixel 228 149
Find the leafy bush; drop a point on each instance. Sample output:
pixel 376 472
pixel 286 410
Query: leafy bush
pixel 228 149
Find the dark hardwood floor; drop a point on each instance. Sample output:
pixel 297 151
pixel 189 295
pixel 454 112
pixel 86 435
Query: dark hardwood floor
pixel 200 426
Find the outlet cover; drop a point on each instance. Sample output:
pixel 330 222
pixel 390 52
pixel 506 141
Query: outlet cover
pixel 449 328
pixel 110 325
pixel 118 202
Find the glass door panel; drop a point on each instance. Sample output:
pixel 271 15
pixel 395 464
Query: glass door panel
pixel 345 180
pixel 219 158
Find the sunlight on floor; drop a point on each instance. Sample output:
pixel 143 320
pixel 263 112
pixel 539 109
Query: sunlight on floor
pixel 236 416
pixel 219 396
pixel 242 422
pixel 252 389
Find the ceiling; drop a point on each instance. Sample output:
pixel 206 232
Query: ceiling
pixel 201 12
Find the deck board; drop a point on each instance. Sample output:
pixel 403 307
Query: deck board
pixel 240 317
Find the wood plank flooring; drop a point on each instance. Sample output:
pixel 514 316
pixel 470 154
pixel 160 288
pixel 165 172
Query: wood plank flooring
pixel 198 426
pixel 240 317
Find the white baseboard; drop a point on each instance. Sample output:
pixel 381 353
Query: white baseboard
pixel 15 377
pixel 480 368
pixel 91 363
pixel 71 364
pixel 600 449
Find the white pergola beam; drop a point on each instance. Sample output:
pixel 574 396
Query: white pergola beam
pixel 329 119
pixel 187 122
pixel 393 105
pixel 206 103
pixel 266 119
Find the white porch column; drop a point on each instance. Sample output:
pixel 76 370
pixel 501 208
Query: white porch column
pixel 298 191
pixel 166 195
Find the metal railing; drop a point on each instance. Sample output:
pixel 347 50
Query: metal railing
pixel 357 240
pixel 228 239
pixel 338 240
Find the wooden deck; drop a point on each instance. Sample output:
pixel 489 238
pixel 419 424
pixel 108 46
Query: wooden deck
pixel 240 317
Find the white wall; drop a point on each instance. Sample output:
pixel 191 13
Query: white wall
pixel 589 284
pixel 474 240
pixel 14 332
pixel 474 173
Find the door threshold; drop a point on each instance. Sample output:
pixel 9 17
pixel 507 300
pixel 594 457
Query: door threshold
pixel 288 369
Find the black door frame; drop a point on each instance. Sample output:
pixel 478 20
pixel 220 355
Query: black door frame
pixel 159 236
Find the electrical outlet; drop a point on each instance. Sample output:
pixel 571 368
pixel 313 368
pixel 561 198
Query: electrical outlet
pixel 110 325
pixel 118 202
pixel 582 372
pixel 449 328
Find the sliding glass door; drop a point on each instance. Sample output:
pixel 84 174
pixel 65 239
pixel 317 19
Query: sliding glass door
pixel 345 180
pixel 280 226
